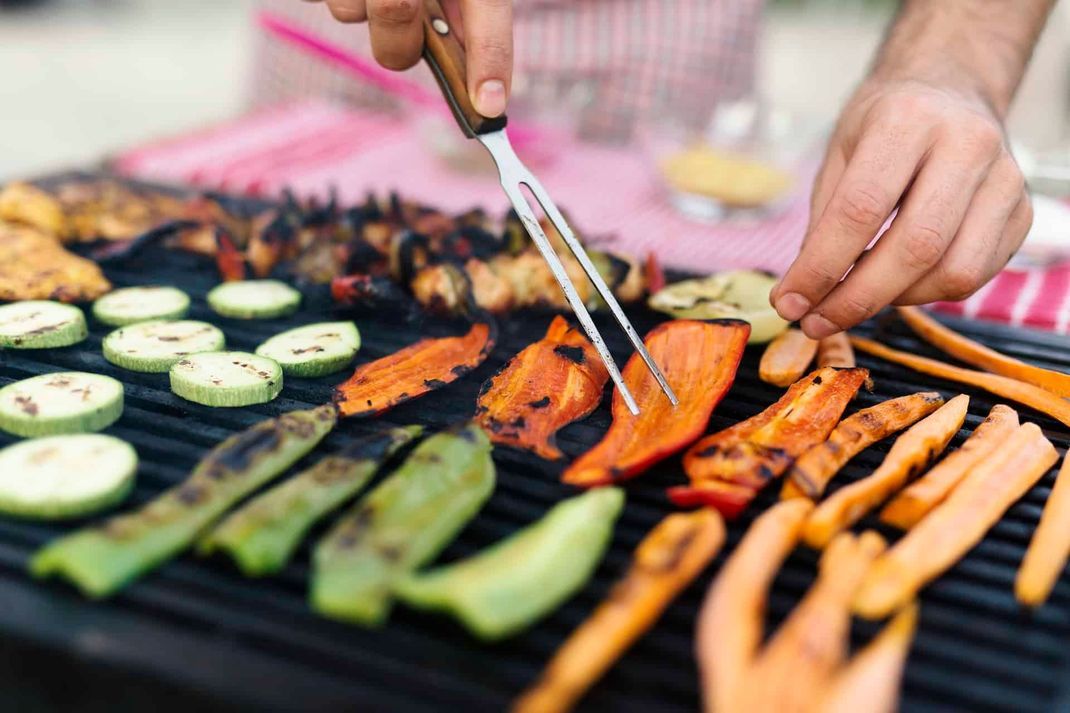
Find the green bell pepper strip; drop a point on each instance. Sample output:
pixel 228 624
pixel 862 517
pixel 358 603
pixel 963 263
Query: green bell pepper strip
pixel 101 560
pixel 400 525
pixel 262 535
pixel 514 583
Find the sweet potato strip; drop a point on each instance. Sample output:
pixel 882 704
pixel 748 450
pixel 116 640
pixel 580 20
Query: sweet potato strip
pixel 1048 550
pixel 870 680
pixel 699 360
pixel 731 622
pixel 1027 394
pixel 956 525
pixel 427 365
pixel 965 349
pixel 836 351
pixel 814 469
pixel 813 642
pixel 666 561
pixel 928 491
pixel 728 468
pixel 786 358
pixel 549 384
pixel 911 453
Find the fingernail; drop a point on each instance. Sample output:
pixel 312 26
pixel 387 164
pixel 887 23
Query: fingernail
pixel 792 306
pixel 817 327
pixel 490 98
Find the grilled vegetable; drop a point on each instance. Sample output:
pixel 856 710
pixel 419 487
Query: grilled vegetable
pixel 911 453
pixel 549 384
pixel 957 524
pixel 427 365
pixel 965 349
pixel 229 260
pixel 141 304
pixel 814 469
pixel 666 561
pixel 732 618
pixel 514 583
pixel 787 358
pixel 401 525
pixel 836 351
pixel 34 266
pixel 920 497
pixel 263 534
pixel 61 402
pixel 254 299
pixel 65 476
pixel 812 643
pixel 728 468
pixel 1050 547
pixel 313 350
pixel 870 680
pixel 739 294
pixel 155 346
pixel 226 379
pixel 101 560
pixel 699 360
pixel 41 325
pixel 1027 394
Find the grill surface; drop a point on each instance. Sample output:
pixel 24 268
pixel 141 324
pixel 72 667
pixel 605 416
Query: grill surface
pixel 196 632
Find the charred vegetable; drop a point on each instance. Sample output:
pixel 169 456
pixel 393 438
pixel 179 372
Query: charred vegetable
pixel 517 581
pixel 740 294
pixel 427 365
pixel 549 384
pixel 814 469
pixel 400 525
pixel 101 560
pixel 666 561
pixel 60 402
pixel 787 358
pixel 39 324
pixel 699 360
pixel 728 468
pixel 262 535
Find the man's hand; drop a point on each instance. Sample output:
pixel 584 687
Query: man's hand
pixel 923 135
pixel 485 27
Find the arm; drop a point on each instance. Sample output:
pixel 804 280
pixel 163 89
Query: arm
pixel 924 134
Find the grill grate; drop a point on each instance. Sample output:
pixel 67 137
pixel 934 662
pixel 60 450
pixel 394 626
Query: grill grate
pixel 197 631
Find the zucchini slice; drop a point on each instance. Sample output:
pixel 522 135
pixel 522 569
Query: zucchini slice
pixel 41 324
pixel 313 350
pixel 254 299
pixel 63 402
pixel 738 294
pixel 140 304
pixel 154 347
pixel 65 476
pixel 226 379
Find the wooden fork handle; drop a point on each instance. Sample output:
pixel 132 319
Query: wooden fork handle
pixel 445 55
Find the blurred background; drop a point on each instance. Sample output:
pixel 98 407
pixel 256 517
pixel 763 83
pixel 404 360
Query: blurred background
pixel 83 78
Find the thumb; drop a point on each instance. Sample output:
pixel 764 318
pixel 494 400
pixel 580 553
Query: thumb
pixel 488 41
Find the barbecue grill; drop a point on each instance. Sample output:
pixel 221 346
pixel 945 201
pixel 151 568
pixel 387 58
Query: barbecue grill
pixel 197 633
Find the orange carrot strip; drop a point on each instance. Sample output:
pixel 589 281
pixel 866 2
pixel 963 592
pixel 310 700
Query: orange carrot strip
pixel 804 654
pixel 549 384
pixel 928 491
pixel 666 561
pixel 732 619
pixel 1050 546
pixel 870 680
pixel 956 525
pixel 786 358
pixel 965 349
pixel 727 469
pixel 1032 396
pixel 699 360
pixel 427 365
pixel 814 469
pixel 911 453
pixel 836 351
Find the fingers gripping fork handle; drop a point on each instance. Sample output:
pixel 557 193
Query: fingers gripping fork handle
pixel 445 55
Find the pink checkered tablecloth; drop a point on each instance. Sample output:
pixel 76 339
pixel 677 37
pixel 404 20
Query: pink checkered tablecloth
pixel 314 146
